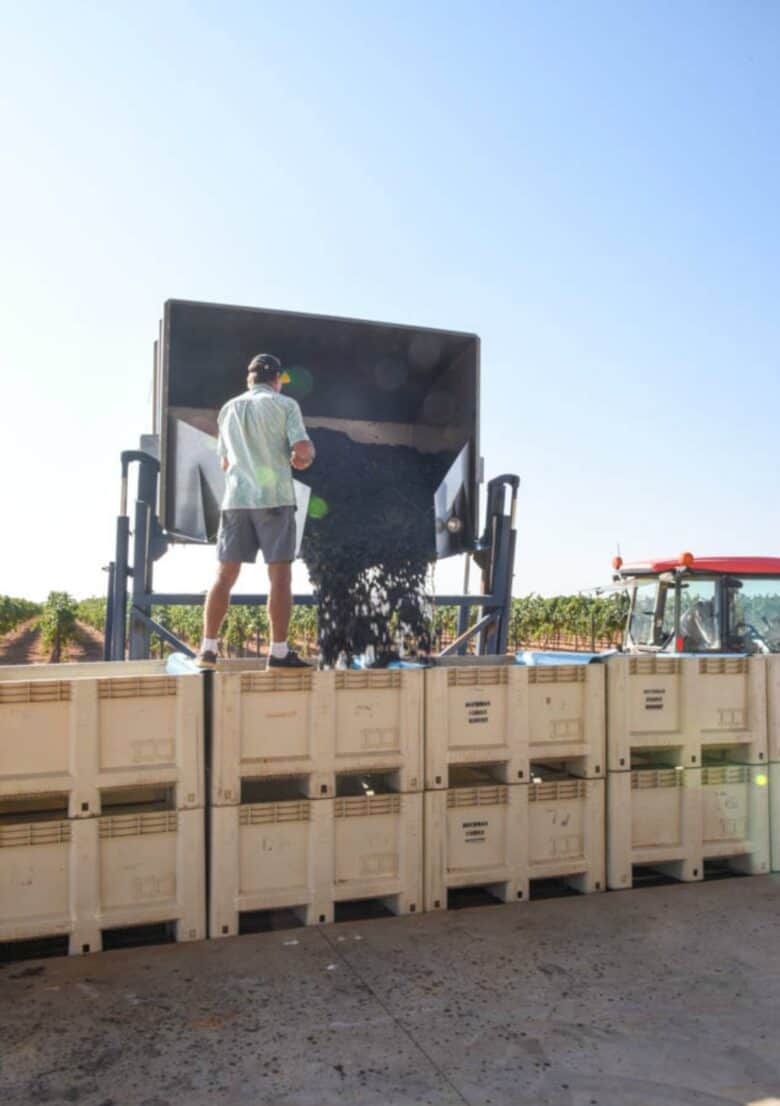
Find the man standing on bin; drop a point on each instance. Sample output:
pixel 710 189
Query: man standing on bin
pixel 261 435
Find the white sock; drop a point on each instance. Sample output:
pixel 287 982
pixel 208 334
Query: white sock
pixel 279 649
pixel 209 645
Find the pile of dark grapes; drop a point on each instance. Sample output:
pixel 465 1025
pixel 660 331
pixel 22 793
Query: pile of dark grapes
pixel 369 550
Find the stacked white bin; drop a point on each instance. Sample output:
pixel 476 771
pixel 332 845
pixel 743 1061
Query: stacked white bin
pixel 101 801
pixel 514 767
pixel 687 765
pixel 316 795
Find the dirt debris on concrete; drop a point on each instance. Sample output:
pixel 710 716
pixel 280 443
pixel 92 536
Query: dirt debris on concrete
pixel 667 996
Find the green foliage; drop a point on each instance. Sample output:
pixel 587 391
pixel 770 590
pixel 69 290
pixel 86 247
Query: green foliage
pixel 13 611
pixel 184 622
pixel 236 630
pixel 577 621
pixel 303 626
pixel 92 611
pixel 58 621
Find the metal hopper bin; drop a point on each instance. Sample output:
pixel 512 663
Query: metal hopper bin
pixel 372 395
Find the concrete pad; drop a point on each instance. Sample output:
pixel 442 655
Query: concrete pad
pixel 665 996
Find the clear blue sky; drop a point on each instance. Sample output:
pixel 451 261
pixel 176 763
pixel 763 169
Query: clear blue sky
pixel 591 187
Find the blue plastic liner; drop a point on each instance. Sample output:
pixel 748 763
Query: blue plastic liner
pixel 360 663
pixel 533 659
pixel 179 664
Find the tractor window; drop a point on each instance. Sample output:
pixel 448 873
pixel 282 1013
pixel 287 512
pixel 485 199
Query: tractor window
pixel 699 621
pixel 642 625
pixel 754 615
pixel 668 625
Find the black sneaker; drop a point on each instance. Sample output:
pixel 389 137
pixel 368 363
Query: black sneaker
pixel 206 659
pixel 292 660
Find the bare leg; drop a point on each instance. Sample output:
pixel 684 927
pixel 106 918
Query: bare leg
pixel 218 597
pixel 279 600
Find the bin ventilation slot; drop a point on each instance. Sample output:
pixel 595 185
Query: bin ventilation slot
pixel 46 806
pixel 718 868
pixel 367 805
pixel 145 798
pixel 35 691
pixel 34 833
pixel 657 758
pixel 263 814
pixel 361 910
pixel 266 921
pixel 276 681
pixel 463 898
pixel 378 680
pixel 557 790
pixel 723 666
pixel 725 773
pixel 146 687
pixel 654 666
pixel 558 674
pixel 138 825
pixel 361 785
pixel 277 789
pixel 34 948
pixel 648 779
pixel 475 775
pixel 477 677
pixel 645 875
pixel 128 937
pixel 478 796
pixel 544 771
pixel 554 887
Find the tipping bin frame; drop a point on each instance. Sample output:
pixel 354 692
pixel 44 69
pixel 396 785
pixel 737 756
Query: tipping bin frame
pixel 194 336
pixel 128 629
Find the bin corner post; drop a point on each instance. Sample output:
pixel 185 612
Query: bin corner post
pixel 208 745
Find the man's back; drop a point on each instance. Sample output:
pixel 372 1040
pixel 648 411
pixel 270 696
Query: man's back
pixel 256 433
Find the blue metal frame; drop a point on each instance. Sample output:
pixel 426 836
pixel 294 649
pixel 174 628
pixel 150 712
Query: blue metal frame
pixel 131 626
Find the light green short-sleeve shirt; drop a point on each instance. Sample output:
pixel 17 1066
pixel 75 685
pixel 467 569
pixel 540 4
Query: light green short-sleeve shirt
pixel 256 432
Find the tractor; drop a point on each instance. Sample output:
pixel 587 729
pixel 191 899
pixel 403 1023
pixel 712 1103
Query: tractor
pixel 690 604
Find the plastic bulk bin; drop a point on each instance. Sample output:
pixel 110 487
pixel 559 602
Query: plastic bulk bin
pixel 270 856
pixel 308 854
pixel 689 702
pixel 315 724
pixel 84 875
pixel 566 818
pixel 82 728
pixel 37 885
pixel 654 818
pixel 511 715
pixel 476 836
pixel 735 816
pixel 567 715
pixel 474 714
pixel 378 849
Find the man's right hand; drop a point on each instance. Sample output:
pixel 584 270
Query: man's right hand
pixel 302 455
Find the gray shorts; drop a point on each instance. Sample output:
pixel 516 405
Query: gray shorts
pixel 242 532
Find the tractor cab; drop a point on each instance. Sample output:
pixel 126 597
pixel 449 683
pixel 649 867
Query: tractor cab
pixel 702 604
